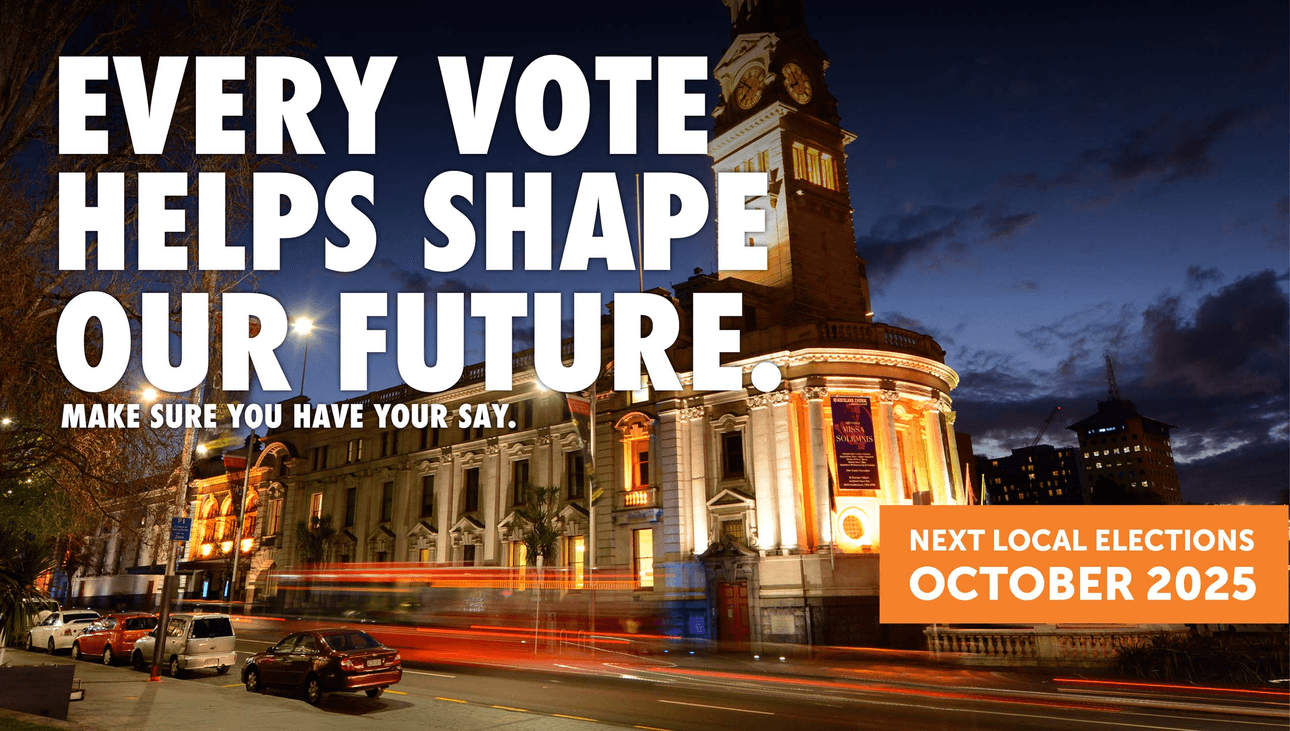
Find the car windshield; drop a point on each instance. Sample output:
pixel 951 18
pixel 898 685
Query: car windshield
pixel 345 641
pixel 212 627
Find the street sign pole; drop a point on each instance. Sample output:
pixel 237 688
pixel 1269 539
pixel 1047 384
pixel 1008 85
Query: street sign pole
pixel 168 583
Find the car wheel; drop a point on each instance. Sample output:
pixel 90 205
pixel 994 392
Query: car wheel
pixel 31 646
pixel 136 661
pixel 50 647
pixel 76 651
pixel 252 680
pixel 221 670
pixel 174 666
pixel 313 691
pixel 375 692
pixel 108 659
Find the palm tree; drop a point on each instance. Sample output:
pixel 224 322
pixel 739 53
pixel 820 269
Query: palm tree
pixel 537 516
pixel 23 559
pixel 315 538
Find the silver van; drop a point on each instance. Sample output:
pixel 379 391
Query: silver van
pixel 192 641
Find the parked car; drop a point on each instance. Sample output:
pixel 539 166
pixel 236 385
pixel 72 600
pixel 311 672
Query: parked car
pixel 326 661
pixel 192 641
pixel 58 630
pixel 113 637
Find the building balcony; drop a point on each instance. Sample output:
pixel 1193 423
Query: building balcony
pixel 641 497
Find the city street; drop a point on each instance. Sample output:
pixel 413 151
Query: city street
pixel 506 686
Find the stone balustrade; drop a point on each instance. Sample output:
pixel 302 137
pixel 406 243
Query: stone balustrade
pixel 1083 646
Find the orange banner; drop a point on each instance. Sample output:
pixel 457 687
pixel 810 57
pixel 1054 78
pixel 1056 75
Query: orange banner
pixel 1201 564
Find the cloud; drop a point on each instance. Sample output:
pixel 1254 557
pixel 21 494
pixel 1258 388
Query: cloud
pixel 1005 227
pixel 1025 285
pixel 1199 277
pixel 1164 152
pixel 932 235
pixel 1236 343
pixel 918 326
pixel 1219 371
pixel 418 280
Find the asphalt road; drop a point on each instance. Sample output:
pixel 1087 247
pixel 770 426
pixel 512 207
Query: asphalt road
pixel 649 693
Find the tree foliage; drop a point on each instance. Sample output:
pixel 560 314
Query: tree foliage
pixel 55 480
pixel 315 538
pixel 23 559
pixel 537 515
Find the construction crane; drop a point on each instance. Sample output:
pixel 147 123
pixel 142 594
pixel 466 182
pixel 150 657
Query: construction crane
pixel 1112 388
pixel 1044 429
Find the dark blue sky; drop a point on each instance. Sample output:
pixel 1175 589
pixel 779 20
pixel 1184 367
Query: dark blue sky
pixel 1032 185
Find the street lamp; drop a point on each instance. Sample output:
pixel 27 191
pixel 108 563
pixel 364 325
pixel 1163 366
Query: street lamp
pixel 6 421
pixel 201 449
pixel 304 326
pixel 149 394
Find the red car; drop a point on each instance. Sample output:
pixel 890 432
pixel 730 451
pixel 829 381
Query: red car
pixel 113 636
pixel 324 661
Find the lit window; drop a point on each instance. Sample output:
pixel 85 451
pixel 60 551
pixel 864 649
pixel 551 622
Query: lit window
pixel 315 505
pixel 423 555
pixel 643 557
pixel 576 559
pixel 639 463
pixel 519 481
pixel 814 166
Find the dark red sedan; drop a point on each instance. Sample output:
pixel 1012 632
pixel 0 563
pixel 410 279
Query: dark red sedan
pixel 325 661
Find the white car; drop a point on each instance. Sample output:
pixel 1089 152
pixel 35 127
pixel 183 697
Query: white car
pixel 192 641
pixel 58 630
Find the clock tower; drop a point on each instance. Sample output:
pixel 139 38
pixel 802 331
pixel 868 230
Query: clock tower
pixel 776 116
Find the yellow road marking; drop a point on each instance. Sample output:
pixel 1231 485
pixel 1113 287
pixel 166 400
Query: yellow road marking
pixel 450 700
pixel 509 708
pixel 576 718
pixel 235 685
pixel 650 728
pixel 395 692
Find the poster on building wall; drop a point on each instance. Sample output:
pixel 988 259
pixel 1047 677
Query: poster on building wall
pixel 854 450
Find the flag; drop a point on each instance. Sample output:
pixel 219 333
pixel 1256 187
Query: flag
pixel 985 493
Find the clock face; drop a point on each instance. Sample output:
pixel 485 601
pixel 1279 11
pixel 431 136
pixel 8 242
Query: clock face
pixel 797 83
pixel 751 84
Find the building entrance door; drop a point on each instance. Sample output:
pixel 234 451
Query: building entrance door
pixel 732 611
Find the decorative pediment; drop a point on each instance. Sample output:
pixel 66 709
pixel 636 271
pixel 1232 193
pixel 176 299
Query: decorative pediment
pixel 347 536
pixel 387 472
pixel 423 529
pixel 519 449
pixel 573 518
pixel 471 459
pixel 729 422
pixel 426 466
pixel 467 524
pixel 570 441
pixel 381 540
pixel 511 527
pixel 634 425
pixel 730 500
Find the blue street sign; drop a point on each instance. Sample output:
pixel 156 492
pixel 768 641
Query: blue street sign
pixel 180 528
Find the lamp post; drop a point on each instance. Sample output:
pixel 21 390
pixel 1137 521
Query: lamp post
pixel 304 326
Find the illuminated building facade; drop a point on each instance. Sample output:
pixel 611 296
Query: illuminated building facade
pixel 1127 457
pixel 727 510
pixel 1038 475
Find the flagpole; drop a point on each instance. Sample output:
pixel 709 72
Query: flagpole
pixel 640 246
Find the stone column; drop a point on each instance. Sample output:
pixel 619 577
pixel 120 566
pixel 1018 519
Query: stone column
pixel 959 494
pixel 761 444
pixel 785 488
pixel 941 485
pixel 698 433
pixel 491 495
pixel 893 476
pixel 667 440
pixel 443 506
pixel 815 396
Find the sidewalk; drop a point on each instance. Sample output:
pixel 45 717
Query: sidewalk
pixel 119 698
